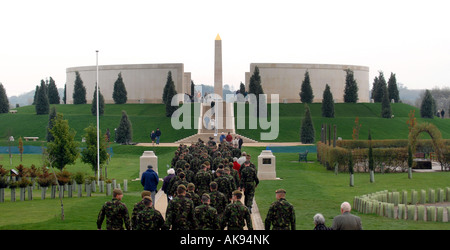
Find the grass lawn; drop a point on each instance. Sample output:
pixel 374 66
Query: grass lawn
pixel 310 188
pixel 291 115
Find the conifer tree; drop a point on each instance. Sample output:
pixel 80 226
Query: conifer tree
pixel 101 102
pixel 42 105
pixel 386 111
pixel 242 88
pixel 307 132
pixel 125 130
pixel 35 94
pixel 51 120
pixel 4 102
pixel 351 88
pixel 306 92
pixel 79 91
pixel 327 103
pixel 53 95
pixel 426 107
pixel 65 93
pixel 379 85
pixel 119 92
pixel 393 89
pixel 169 82
pixel 171 93
pixel 255 88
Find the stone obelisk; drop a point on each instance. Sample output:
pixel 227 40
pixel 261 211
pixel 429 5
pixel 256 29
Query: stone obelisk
pixel 218 66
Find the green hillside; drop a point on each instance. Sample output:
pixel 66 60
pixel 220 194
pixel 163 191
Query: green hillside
pixel 147 117
pixel 345 114
pixel 144 118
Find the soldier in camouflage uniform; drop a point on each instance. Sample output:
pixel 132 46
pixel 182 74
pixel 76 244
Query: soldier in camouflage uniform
pixel 202 180
pixel 236 215
pixel 218 200
pixel 137 208
pixel 180 212
pixel 281 214
pixel 224 184
pixel 149 218
pixel 176 183
pixel 249 182
pixel 116 213
pixel 192 195
pixel 206 216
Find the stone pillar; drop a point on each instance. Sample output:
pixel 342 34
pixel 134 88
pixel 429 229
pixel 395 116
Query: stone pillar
pixel 218 66
pixel 266 166
pixel 148 158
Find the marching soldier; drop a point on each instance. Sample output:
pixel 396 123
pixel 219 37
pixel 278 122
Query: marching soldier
pixel 116 213
pixel 281 214
pixel 149 218
pixel 236 215
pixel 137 208
pixel 180 212
pixel 206 216
pixel 249 182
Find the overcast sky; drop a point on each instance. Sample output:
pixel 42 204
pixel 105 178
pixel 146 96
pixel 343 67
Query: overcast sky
pixel 39 39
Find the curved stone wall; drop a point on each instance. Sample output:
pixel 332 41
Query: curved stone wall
pixel 285 79
pixel 144 82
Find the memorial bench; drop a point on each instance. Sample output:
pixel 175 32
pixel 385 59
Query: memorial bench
pixel 13 111
pixel 303 156
pixel 31 138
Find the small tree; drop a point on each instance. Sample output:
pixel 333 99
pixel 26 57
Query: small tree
pixel 356 128
pixel 53 95
pixel 101 103
pixel 371 161
pixel 4 102
pixel 120 92
pixel 42 105
pixel 20 148
pixel 51 120
pixel 412 120
pixel 242 88
pixel 327 103
pixel 125 130
pixel 410 162
pixel 379 84
pixel 351 88
pixel 426 107
pixel 386 111
pixel 79 91
pixel 393 89
pixel 306 92
pixel 64 149
pixel 89 154
pixel 307 133
pixel 350 168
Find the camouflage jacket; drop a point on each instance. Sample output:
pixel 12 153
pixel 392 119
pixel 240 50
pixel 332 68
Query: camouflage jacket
pixel 149 219
pixel 116 214
pixel 281 216
pixel 248 174
pixel 218 201
pixel 235 216
pixel 202 180
pixel 206 218
pixel 194 197
pixel 224 185
pixel 180 214
pixel 136 209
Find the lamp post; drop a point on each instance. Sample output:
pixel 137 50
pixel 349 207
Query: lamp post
pixel 98 128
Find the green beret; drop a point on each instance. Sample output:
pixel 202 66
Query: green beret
pixel 280 191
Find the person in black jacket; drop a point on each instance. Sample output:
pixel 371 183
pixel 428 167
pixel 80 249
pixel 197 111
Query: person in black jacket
pixel 158 134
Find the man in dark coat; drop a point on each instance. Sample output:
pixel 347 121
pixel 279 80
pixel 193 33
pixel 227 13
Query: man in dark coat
pixel 149 180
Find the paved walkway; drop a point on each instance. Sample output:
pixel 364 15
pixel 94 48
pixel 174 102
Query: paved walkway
pixel 161 205
pixel 249 144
